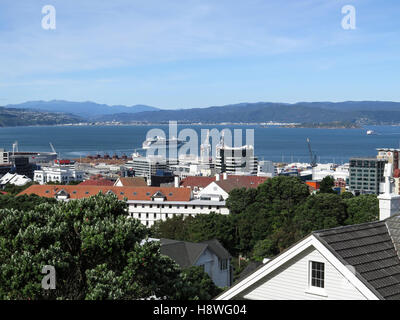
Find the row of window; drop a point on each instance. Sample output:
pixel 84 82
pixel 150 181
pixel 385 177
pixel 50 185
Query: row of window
pixel 154 215
pixel 170 206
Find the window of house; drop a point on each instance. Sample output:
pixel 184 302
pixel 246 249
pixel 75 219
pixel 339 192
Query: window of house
pixel 223 264
pixel 317 276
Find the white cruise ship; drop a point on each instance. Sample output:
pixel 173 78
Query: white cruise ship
pixel 160 142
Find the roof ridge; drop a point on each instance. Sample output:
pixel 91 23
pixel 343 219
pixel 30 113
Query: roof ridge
pixel 367 225
pixel 395 245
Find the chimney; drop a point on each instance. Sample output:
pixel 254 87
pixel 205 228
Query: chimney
pixel 389 203
pixel 225 176
pixel 217 177
pixel 176 182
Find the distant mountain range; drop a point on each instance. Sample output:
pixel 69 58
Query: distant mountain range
pixel 365 112
pixel 88 110
pixel 359 112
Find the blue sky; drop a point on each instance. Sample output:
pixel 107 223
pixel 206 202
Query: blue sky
pixel 181 54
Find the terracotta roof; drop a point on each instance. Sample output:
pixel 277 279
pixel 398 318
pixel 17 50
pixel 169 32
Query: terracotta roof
pixel 97 182
pixel 133 182
pixel 131 193
pixel 201 182
pixel 235 181
pixel 232 182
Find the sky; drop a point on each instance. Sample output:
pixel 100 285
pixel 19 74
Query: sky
pixel 199 53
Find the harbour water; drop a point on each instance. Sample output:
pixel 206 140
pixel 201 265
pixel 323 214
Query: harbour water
pixel 271 143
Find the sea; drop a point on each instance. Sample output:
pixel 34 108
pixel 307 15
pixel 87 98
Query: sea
pixel 273 143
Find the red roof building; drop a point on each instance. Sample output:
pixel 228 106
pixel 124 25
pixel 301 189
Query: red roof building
pixel 131 193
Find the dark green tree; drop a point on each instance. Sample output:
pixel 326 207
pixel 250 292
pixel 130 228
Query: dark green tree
pixel 24 202
pixel 176 228
pixel 278 199
pixel 346 195
pixel 326 185
pixel 363 208
pixel 199 285
pixel 239 199
pixel 320 211
pixel 263 249
pixel 14 190
pixel 96 250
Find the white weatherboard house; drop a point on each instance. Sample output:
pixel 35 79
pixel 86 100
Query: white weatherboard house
pixel 358 262
pixel 210 255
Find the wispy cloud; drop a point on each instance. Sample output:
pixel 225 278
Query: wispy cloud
pixel 110 43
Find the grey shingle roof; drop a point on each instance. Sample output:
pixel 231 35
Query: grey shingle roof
pixel 372 249
pixel 185 254
pixel 218 249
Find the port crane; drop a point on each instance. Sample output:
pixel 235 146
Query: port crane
pixel 54 150
pixel 313 158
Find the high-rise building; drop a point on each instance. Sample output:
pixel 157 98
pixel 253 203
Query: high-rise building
pixel 236 160
pixel 391 156
pixel 146 166
pixel 366 175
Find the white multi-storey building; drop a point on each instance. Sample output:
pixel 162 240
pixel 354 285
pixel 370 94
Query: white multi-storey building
pixel 266 169
pixel 148 204
pixel 236 160
pixel 146 166
pixel 57 174
pixel 4 157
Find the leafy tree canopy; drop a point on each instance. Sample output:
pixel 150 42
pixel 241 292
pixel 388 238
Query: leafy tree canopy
pixel 96 250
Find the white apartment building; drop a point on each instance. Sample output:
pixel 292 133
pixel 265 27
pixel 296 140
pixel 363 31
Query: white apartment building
pixel 146 166
pixel 236 160
pixel 148 212
pixel 4 157
pixel 266 169
pixel 62 175
pixel 148 204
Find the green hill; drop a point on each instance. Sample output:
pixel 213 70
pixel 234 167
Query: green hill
pixel 11 117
